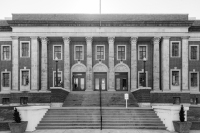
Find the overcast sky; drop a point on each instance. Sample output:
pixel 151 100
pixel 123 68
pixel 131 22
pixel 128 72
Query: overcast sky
pixel 191 7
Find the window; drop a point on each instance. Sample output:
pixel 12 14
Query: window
pixel 57 52
pixel 142 52
pixel 100 52
pixel 194 100
pixel 79 55
pixel 176 100
pixel 5 79
pixel 193 80
pixel 121 52
pixel 142 79
pixel 5 101
pixel 25 78
pixel 175 49
pixel 6 52
pixel 23 100
pixel 194 52
pixel 175 78
pixel 25 48
pixel 59 79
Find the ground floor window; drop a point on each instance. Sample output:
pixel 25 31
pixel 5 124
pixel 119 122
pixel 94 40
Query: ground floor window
pixel 175 78
pixel 23 100
pixel 5 101
pixel 194 80
pixel 25 77
pixel 5 79
pixel 78 81
pixel 142 79
pixel 121 81
pixel 100 81
pixel 59 84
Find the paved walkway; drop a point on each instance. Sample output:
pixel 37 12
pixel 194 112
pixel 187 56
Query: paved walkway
pixel 102 131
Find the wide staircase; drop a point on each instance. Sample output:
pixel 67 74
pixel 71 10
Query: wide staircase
pixel 82 111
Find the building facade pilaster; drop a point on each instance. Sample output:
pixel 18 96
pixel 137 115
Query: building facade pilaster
pixel 15 63
pixel 185 74
pixel 44 64
pixel 156 64
pixel 66 63
pixel 111 64
pixel 89 64
pixel 34 64
pixel 165 63
pixel 133 63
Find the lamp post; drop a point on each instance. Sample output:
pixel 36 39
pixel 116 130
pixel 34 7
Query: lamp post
pixel 144 60
pixel 56 72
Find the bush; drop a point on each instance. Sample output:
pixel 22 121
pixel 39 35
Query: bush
pixel 181 114
pixel 16 116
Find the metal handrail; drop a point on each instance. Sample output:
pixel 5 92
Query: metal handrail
pixel 100 108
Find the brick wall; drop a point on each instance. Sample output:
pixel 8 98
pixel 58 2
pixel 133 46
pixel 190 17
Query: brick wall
pixel 58 95
pixel 142 95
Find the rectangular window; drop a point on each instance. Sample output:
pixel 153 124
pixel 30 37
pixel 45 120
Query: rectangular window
pixel 6 52
pixel 25 78
pixel 5 101
pixel 25 49
pixel 175 49
pixel 59 79
pixel 79 52
pixel 121 52
pixel 57 52
pixel 194 52
pixel 142 52
pixel 100 52
pixel 23 100
pixel 175 78
pixel 194 80
pixel 5 79
pixel 142 79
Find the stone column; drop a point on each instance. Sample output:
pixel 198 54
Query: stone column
pixel 185 74
pixel 111 64
pixel 165 64
pixel 15 63
pixel 66 63
pixel 44 64
pixel 89 64
pixel 156 64
pixel 34 64
pixel 133 63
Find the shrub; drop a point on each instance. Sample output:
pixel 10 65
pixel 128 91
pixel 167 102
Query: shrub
pixel 181 114
pixel 16 116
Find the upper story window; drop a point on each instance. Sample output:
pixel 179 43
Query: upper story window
pixel 100 52
pixel 194 52
pixel 5 79
pixel 194 79
pixel 6 52
pixel 121 52
pixel 25 49
pixel 142 52
pixel 79 52
pixel 57 52
pixel 175 49
pixel 25 78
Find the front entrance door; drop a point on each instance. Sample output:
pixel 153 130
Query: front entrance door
pixel 78 81
pixel 100 81
pixel 121 81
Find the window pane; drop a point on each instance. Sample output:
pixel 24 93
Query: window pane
pixel 79 52
pixel 175 49
pixel 25 78
pixel 194 79
pixel 118 84
pixel 6 53
pixel 124 87
pixel 97 83
pixel 57 52
pixel 175 78
pixel 5 80
pixel 103 84
pixel 25 49
pixel 82 83
pixel 142 52
pixel 193 52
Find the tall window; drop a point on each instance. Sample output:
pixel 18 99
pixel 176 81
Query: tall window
pixel 121 52
pixel 25 78
pixel 175 78
pixel 100 50
pixel 175 49
pixel 79 52
pixel 194 79
pixel 142 79
pixel 142 52
pixel 59 79
pixel 6 53
pixel 5 79
pixel 194 52
pixel 57 52
pixel 25 49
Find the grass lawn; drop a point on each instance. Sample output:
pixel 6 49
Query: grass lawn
pixel 194 114
pixel 6 113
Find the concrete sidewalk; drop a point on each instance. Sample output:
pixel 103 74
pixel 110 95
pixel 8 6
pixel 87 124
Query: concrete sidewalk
pixel 102 131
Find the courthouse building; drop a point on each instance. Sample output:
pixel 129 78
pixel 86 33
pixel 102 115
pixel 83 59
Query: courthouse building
pixel 142 54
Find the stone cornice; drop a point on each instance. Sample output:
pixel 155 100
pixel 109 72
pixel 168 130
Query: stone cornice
pixel 25 23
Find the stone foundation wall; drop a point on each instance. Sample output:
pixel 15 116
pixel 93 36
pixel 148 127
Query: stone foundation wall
pixel 58 95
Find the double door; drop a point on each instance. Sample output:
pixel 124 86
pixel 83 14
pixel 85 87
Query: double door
pixel 78 82
pixel 100 81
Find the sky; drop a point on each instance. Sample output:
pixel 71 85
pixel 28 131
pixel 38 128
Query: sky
pixel 191 7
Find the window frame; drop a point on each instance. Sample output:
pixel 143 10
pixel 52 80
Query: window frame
pixel 54 52
pixel 142 71
pixel 191 52
pixel 6 88
pixel 103 51
pixel 179 49
pixel 139 51
pixel 21 49
pixel 2 52
pixel 54 72
pixel 75 52
pixel 175 88
pixel 124 52
pixel 197 87
pixel 22 87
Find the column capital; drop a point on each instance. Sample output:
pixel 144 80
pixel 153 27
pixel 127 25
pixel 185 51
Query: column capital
pixel 88 39
pixel 14 37
pixel 34 37
pixel 66 39
pixel 111 39
pixel 134 39
pixel 185 37
pixel 156 40
pixel 166 37
pixel 44 39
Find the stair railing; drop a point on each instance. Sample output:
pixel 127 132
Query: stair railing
pixel 100 108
